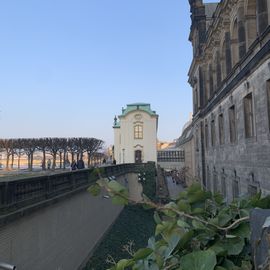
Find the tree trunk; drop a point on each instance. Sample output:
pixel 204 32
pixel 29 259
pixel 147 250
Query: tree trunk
pixel 31 162
pixel 60 156
pixel 54 161
pixel 7 162
pixel 44 160
pixel 19 162
pixel 88 159
pixel 12 160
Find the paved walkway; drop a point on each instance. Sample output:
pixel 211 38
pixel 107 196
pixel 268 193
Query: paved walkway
pixel 174 189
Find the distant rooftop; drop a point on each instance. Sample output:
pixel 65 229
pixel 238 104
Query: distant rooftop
pixel 146 107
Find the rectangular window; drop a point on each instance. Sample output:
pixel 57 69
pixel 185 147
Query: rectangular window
pixel 232 124
pixel 221 128
pixel 248 115
pixel 206 134
pixel 138 132
pixel 252 190
pixel 215 182
pixel 235 189
pixel 223 186
pixel 213 133
pixel 268 101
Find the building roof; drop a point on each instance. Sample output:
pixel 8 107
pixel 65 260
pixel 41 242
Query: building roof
pixel 137 106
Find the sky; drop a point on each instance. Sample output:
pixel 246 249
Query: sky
pixel 67 67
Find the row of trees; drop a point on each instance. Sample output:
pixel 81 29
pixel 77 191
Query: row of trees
pixel 56 147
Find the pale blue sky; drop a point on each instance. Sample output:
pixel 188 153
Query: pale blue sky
pixel 68 66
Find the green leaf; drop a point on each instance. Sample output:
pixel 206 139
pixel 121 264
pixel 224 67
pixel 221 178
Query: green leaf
pixel 246 265
pixel 228 264
pixel 184 206
pixel 198 211
pixel 243 230
pixel 199 196
pixel 102 182
pixel 185 239
pixel 142 253
pixel 198 225
pixel 230 246
pixel 115 186
pixel 182 224
pixel 224 219
pixel 159 229
pixel 122 264
pixel 157 218
pixel 199 260
pixel 94 190
pixel 118 200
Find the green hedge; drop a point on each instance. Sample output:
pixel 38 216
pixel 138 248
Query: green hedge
pixel 134 223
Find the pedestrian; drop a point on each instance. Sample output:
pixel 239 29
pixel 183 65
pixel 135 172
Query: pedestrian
pixel 49 163
pixel 114 162
pixel 104 161
pixel 80 164
pixel 73 165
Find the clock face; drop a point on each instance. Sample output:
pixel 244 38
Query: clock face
pixel 138 116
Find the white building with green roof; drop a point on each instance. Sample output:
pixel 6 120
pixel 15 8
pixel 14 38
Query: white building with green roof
pixel 135 134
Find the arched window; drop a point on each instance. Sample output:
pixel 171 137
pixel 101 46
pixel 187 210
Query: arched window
pixel 218 70
pixel 138 132
pixel 234 43
pixel 223 61
pixel 226 60
pixel 262 15
pixel 211 81
pixel 241 33
pixel 251 24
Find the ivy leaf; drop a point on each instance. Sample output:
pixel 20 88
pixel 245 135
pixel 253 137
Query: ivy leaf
pixel 182 224
pixel 122 264
pixel 118 200
pixel 199 260
pixel 157 218
pixel 142 253
pixel 243 230
pixel 224 219
pixel 184 206
pixel 115 186
pixel 198 225
pixel 94 190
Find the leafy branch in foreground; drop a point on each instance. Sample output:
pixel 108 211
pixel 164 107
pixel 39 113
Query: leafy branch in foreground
pixel 197 231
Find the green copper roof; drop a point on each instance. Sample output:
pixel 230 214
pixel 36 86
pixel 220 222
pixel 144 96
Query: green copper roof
pixel 137 106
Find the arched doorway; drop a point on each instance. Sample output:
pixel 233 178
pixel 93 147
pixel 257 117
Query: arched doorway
pixel 138 156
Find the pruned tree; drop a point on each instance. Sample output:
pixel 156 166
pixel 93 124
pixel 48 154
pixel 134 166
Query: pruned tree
pixel 18 150
pixel 54 145
pixel 91 146
pixel 30 146
pixel 7 146
pixel 42 145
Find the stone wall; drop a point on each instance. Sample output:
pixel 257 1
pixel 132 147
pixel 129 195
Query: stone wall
pixel 62 235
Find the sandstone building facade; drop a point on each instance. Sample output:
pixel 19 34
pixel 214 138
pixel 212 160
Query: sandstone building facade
pixel 135 134
pixel 230 78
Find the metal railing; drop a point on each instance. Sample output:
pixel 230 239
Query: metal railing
pixel 18 194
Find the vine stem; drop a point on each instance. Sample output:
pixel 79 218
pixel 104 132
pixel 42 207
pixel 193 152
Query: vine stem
pixel 179 213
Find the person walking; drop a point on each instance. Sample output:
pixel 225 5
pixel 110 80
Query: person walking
pixel 49 163
pixel 73 165
pixel 80 164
